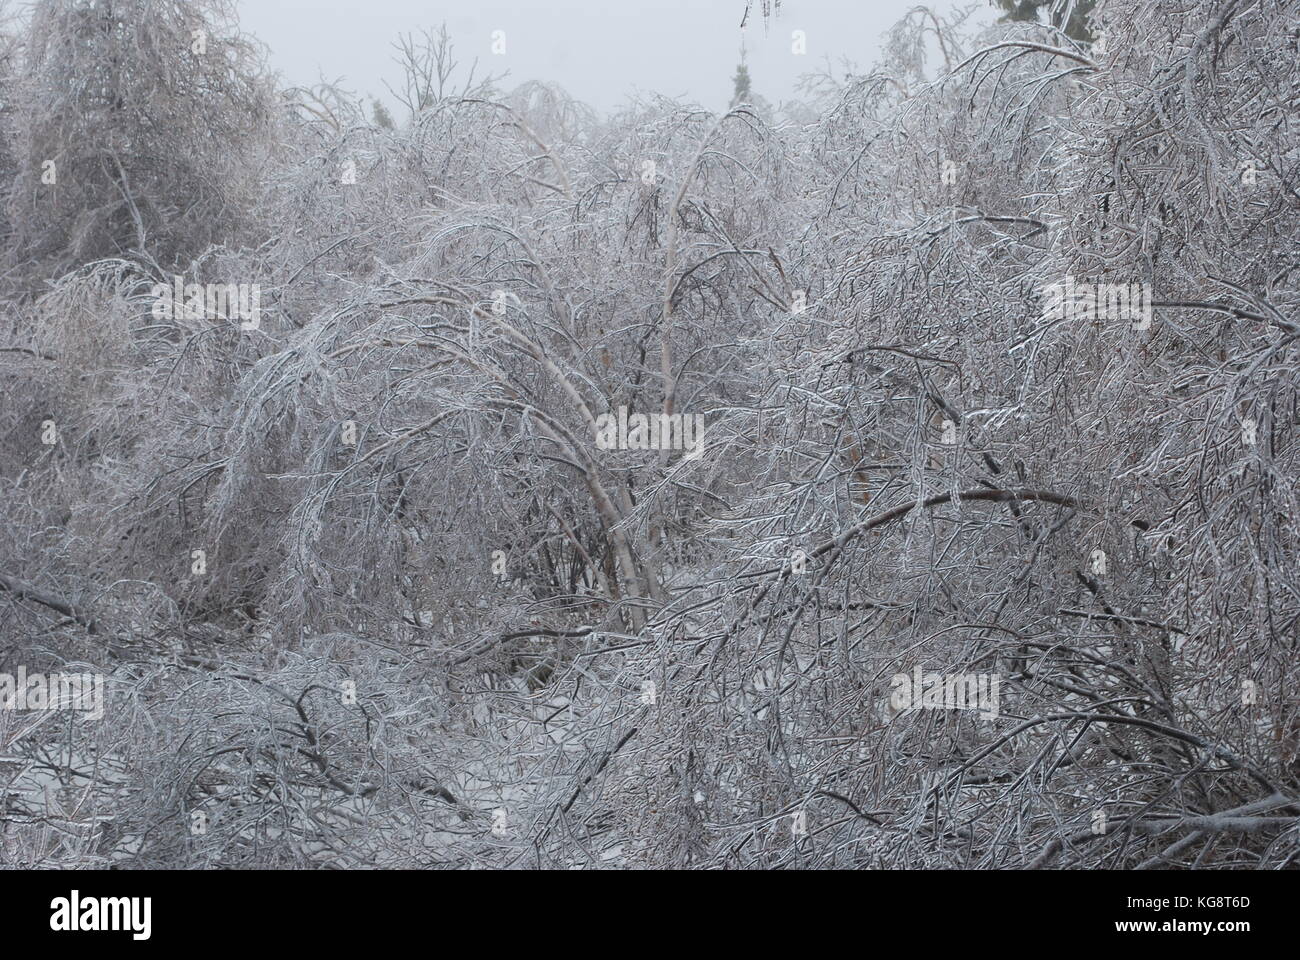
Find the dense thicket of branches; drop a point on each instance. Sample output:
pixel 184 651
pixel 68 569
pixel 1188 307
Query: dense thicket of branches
pixel 569 656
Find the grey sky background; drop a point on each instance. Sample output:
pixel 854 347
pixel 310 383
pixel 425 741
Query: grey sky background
pixel 601 51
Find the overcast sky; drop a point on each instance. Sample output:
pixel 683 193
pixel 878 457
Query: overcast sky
pixel 598 50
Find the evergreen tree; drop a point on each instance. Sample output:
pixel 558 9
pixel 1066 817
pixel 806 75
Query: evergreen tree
pixel 741 92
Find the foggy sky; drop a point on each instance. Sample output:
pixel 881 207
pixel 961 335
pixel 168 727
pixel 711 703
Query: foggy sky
pixel 599 50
